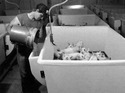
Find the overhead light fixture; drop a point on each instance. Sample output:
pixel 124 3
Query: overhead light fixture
pixel 75 7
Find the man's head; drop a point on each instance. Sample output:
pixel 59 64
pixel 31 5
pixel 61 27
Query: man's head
pixel 41 11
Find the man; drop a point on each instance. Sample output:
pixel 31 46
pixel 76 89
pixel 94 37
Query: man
pixel 36 19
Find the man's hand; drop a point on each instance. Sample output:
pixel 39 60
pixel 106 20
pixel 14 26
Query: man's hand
pixel 35 34
pixel 33 31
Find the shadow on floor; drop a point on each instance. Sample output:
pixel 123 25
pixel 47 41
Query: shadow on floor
pixel 4 87
pixel 12 82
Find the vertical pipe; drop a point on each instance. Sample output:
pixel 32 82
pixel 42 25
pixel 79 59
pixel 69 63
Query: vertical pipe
pixel 50 13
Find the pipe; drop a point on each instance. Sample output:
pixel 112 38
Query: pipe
pixel 50 15
pixel 14 4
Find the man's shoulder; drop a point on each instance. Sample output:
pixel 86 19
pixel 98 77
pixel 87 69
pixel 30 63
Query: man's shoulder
pixel 22 14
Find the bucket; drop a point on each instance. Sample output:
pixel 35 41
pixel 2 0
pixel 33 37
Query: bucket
pixel 23 35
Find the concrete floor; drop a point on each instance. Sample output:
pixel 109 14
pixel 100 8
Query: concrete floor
pixel 11 83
